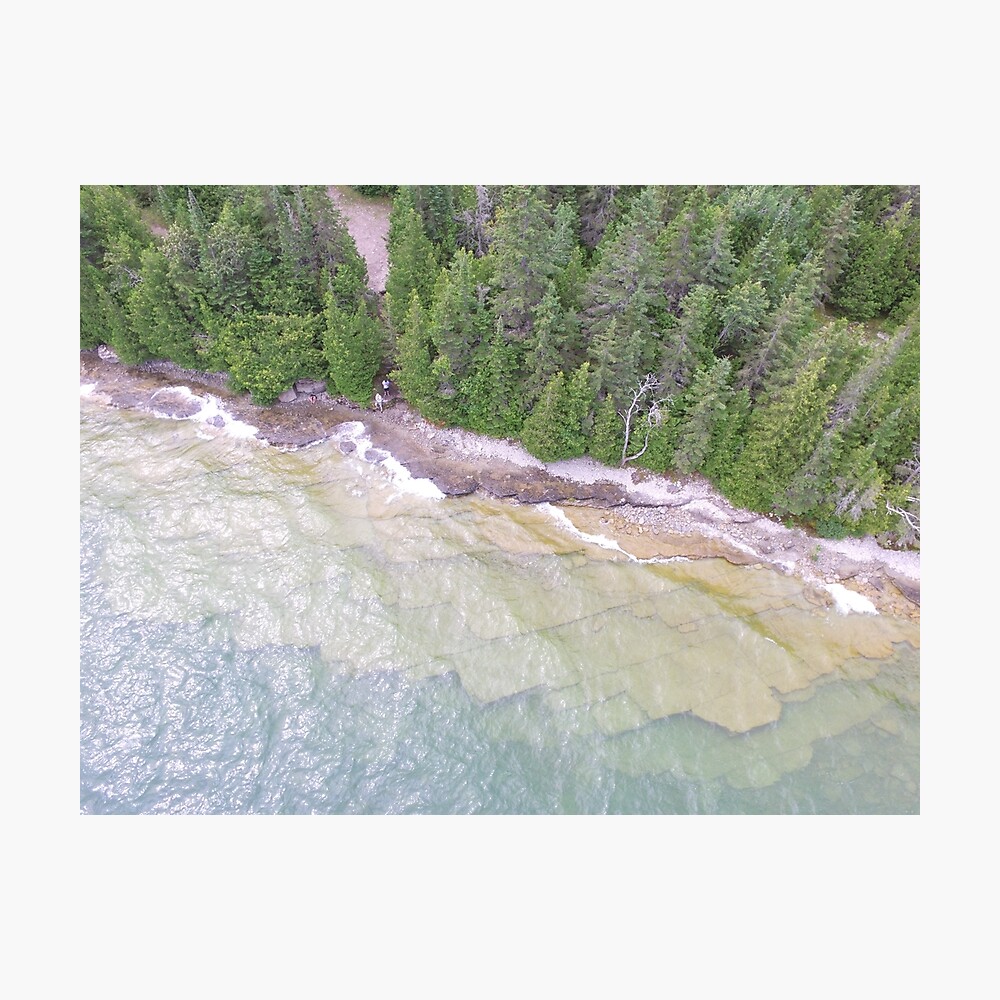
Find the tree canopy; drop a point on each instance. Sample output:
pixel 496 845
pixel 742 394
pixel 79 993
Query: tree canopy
pixel 779 325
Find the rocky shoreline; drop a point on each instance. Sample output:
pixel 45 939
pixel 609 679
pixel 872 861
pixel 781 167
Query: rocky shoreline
pixel 647 515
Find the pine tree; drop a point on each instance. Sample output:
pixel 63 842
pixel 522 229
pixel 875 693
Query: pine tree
pixel 522 236
pixel 783 432
pixel 542 431
pixel 742 311
pixel 688 342
pixel 768 265
pixel 834 243
pixel 266 353
pixel 696 247
pixel 781 331
pixel 556 428
pixel 412 262
pixel 459 317
pixel 608 439
pixel 544 354
pixel 704 411
pixel 92 329
pixel 352 347
pixel 414 372
pixel 156 315
pixel 226 258
pixel 728 439
pixel 491 394
pixel 624 291
pixel 436 206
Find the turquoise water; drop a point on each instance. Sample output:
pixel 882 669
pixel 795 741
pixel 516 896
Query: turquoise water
pixel 269 632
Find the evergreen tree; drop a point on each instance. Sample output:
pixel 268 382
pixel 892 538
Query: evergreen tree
pixel 688 341
pixel 92 329
pixel 414 373
pixel 608 438
pixel 352 347
pixel 742 311
pixel 834 243
pixel 545 347
pixel 555 428
pixel 226 263
pixel 542 432
pixel 704 411
pixel 768 265
pixel 491 394
pixel 182 251
pixel 460 318
pixel 882 270
pixel 696 247
pixel 156 316
pixel 436 206
pixel 266 353
pixel 783 432
pixel 781 331
pixel 625 292
pixel 728 438
pixel 522 238
pixel 412 262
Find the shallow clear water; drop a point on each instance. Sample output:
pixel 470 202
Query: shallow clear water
pixel 272 632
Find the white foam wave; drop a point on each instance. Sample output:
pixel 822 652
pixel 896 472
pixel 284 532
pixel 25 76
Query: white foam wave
pixel 602 541
pixel 210 412
pixel 399 475
pixel 849 600
pixel 561 518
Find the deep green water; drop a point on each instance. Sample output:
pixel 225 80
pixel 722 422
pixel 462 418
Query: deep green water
pixel 272 632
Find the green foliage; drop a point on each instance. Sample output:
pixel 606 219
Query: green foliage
pixel 661 447
pixel 562 299
pixel 436 206
pixel 352 347
pixel 460 319
pixel 705 411
pixel 412 261
pixel 522 240
pixel 782 435
pixel 92 327
pixel 608 437
pixel 728 438
pixel 882 269
pixel 156 315
pixel 546 346
pixel 624 303
pixel 414 373
pixel 112 232
pixel 542 432
pixel 555 428
pixel 376 190
pixel 266 353
pixel 688 342
pixel 491 393
pixel 696 246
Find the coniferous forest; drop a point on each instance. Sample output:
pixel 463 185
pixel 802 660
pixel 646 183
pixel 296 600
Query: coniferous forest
pixel 765 337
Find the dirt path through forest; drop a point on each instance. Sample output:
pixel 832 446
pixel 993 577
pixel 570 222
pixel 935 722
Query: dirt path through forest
pixel 368 223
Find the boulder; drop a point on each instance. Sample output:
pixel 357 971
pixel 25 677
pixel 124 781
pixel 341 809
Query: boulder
pixel 910 589
pixel 310 386
pixel 847 568
pixel 288 396
pixel 174 404
pixel 106 354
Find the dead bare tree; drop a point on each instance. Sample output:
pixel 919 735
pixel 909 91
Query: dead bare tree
pixel 644 409
pixel 475 236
